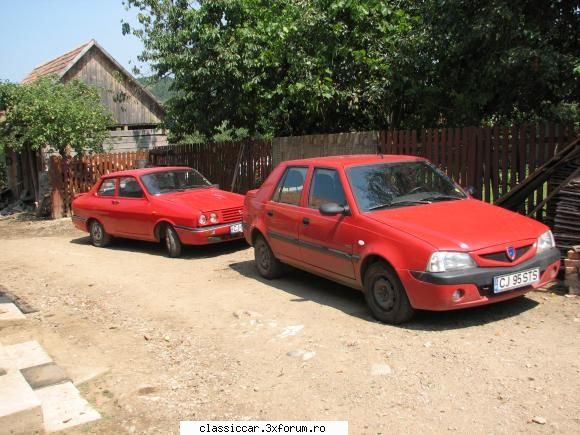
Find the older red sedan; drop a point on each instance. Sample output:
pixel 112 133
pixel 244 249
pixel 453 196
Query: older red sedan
pixel 398 229
pixel 174 204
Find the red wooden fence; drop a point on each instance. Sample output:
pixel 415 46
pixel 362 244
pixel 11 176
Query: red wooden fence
pixel 492 160
pixel 69 176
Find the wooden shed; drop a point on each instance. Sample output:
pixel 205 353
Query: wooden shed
pixel 136 112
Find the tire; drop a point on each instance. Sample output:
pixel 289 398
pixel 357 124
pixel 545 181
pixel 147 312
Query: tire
pixel 172 242
pixel 99 236
pixel 267 264
pixel 386 296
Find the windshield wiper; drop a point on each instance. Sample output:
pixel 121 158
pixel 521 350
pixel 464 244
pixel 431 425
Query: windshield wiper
pixel 440 197
pixel 401 202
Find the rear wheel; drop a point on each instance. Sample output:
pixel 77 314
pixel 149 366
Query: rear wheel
pixel 268 266
pixel 99 236
pixel 172 242
pixel 386 296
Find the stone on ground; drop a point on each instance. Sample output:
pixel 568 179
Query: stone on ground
pixel 63 407
pixel 44 375
pixel 20 409
pixel 22 355
pixel 10 314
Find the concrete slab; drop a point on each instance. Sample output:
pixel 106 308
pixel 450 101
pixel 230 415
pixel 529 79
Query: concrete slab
pixel 10 314
pixel 80 375
pixel 44 375
pixel 63 407
pixel 20 408
pixel 22 355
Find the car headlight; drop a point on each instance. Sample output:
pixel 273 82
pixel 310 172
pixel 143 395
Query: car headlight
pixel 545 242
pixel 213 218
pixel 202 219
pixel 445 261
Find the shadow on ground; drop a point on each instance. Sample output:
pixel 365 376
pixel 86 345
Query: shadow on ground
pixel 307 287
pixel 158 249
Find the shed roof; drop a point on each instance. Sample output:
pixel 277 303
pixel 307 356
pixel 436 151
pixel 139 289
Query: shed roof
pixel 65 62
pixel 59 65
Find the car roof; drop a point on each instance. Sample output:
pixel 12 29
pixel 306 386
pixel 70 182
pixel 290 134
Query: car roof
pixel 143 171
pixel 353 160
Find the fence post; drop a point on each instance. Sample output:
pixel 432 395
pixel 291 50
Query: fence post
pixel 55 183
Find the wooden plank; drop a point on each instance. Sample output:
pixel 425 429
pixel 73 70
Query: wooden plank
pixel 504 160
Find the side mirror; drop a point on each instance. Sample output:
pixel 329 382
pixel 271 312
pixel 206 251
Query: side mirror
pixel 332 209
pixel 471 191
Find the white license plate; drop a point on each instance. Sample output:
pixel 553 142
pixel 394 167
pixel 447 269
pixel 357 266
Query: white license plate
pixel 515 280
pixel 236 228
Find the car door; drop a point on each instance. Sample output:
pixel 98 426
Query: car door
pixel 326 242
pixel 133 215
pixel 104 204
pixel 283 213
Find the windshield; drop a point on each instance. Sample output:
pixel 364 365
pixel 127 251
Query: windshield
pixel 176 180
pixel 387 185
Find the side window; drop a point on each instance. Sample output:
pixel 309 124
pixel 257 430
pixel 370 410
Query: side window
pixel 290 187
pixel 107 187
pixel 325 187
pixel 129 188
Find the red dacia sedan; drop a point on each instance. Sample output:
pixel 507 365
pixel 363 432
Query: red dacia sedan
pixel 174 204
pixel 398 229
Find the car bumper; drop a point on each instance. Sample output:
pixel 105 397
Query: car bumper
pixel 433 291
pixel 207 235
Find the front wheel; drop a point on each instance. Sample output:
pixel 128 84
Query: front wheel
pixel 99 236
pixel 386 296
pixel 172 242
pixel 268 266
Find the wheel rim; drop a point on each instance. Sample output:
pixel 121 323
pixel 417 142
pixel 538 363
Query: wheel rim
pixel 97 232
pixel 263 256
pixel 384 293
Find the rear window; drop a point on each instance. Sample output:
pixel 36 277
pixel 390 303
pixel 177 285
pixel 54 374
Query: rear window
pixel 289 189
pixel 107 187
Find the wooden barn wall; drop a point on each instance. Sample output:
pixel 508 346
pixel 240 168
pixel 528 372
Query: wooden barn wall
pixel 133 140
pixel 127 102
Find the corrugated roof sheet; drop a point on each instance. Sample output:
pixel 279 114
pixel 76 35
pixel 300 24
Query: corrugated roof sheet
pixel 56 66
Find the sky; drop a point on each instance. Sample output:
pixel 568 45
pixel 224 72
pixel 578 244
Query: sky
pixel 33 32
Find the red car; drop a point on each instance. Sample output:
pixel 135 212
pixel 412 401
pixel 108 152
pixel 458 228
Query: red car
pixel 398 229
pixel 174 204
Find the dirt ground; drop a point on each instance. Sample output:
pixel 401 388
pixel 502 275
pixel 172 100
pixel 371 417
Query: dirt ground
pixel 203 337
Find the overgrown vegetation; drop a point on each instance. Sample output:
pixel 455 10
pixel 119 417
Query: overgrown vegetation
pixel 49 113
pixel 307 66
pixel 159 87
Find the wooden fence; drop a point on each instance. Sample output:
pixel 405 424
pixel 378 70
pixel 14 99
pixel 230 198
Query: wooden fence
pixel 235 166
pixel 492 160
pixel 69 176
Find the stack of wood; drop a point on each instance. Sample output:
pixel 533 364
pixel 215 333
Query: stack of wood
pixel 566 214
pixel 572 266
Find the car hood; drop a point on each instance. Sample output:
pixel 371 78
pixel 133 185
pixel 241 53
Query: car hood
pixel 206 199
pixel 464 225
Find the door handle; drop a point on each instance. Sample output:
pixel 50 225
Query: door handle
pixel 305 221
pixel 114 202
pixel 270 213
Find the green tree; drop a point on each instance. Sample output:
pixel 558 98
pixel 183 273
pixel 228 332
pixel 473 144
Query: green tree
pixel 499 61
pixel 276 67
pixel 49 113
pixel 306 66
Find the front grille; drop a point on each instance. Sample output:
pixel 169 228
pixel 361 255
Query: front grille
pixel 232 214
pixel 502 255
